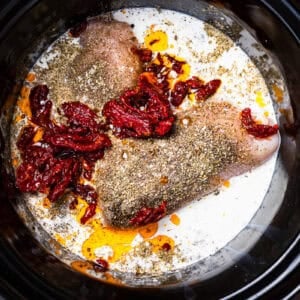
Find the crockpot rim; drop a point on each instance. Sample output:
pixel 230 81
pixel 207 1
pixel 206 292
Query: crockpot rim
pixel 292 32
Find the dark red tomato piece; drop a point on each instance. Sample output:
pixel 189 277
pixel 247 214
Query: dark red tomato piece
pixel 207 90
pixel 89 213
pixel 40 106
pixel 73 204
pixel 101 265
pixel 177 67
pixel 145 55
pixel 166 247
pixel 26 138
pixel 141 113
pixel 87 192
pixel 194 83
pixel 179 92
pixel 257 130
pixel 64 179
pixel 89 143
pixel 80 115
pixel 176 64
pixel 148 215
pixel 64 154
pixel 30 174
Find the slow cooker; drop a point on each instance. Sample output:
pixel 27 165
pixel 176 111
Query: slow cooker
pixel 268 268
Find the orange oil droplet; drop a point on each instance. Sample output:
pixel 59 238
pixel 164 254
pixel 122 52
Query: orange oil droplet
pixel 23 103
pixel 39 134
pixel 30 77
pixel 158 242
pixel 18 118
pixel 81 266
pixel 186 121
pixel 226 183
pixel 15 162
pixel 46 203
pixel 156 40
pixel 118 240
pixel 25 91
pixel 149 230
pixel 174 218
pixel 278 93
pixel 164 180
pixel 259 99
pixel 266 114
pixel 60 239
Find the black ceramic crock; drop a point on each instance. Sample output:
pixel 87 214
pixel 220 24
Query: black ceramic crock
pixel 270 269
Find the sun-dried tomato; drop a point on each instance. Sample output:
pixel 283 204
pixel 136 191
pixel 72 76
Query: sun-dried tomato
pixel 143 112
pixel 41 172
pixel 78 29
pixel 64 154
pixel 88 143
pixel 257 130
pixel 145 55
pixel 154 68
pixel 148 215
pixel 207 90
pixel 194 82
pixel 89 213
pixel 179 92
pixel 66 169
pixel 154 42
pixel 101 265
pixel 166 247
pixel 26 137
pixel 33 174
pixel 73 204
pixel 87 192
pixel 40 106
pixel 80 115
pixel 88 163
pixel 161 73
pixel 161 68
pixel 176 64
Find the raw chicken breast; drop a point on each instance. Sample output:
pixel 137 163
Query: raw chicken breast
pixel 208 146
pixel 98 69
pixel 106 63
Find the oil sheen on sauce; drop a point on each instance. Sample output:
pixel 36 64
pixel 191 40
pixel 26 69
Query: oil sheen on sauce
pixel 202 227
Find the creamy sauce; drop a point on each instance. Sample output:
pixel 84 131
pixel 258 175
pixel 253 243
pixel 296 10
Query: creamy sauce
pixel 202 227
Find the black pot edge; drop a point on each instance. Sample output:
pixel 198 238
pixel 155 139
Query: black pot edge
pixel 287 265
pixel 284 10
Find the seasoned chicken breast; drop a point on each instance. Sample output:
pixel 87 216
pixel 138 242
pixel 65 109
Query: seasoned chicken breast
pixel 106 62
pixel 208 146
pixel 95 71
